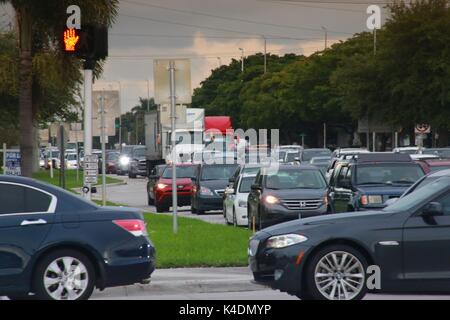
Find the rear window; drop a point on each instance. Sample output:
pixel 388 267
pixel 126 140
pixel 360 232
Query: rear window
pixel 218 172
pixel 388 174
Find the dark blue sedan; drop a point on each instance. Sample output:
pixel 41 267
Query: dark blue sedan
pixel 55 245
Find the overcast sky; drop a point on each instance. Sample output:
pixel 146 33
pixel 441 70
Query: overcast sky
pixel 210 33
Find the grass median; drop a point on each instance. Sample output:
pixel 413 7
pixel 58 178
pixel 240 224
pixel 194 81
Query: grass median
pixel 197 243
pixel 71 178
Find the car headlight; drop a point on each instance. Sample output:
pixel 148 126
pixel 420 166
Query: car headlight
pixel 285 240
pixel 206 192
pixel 366 200
pixel 271 200
pixel 161 186
pixel 124 161
pixel 242 204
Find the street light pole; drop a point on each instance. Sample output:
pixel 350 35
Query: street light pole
pixel 173 101
pixel 326 37
pixel 242 59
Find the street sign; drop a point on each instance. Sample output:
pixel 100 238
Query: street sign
pixel 422 129
pixel 91 169
pixel 12 163
pixel 183 91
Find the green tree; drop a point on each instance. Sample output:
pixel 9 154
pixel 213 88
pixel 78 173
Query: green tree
pixel 40 24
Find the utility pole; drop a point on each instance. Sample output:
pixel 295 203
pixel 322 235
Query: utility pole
pixel 88 67
pixel 173 101
pixel 265 54
pixel 120 115
pixel 242 59
pixel 148 95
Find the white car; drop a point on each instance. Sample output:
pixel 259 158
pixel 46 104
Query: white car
pixel 71 161
pixel 235 202
pixel 408 150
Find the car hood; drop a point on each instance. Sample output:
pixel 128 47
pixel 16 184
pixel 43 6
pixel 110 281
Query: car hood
pixel 384 190
pixel 214 184
pixel 180 181
pixel 350 217
pixel 298 194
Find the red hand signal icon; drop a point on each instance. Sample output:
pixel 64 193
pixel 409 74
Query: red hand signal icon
pixel 70 39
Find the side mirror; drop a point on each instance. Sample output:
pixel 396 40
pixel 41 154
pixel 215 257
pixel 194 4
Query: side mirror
pixel 256 187
pixel 229 191
pixel 433 209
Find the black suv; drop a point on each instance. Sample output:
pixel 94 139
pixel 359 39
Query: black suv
pixel 283 193
pixel 209 186
pixel 369 180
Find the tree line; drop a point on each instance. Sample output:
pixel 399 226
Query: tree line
pixel 404 82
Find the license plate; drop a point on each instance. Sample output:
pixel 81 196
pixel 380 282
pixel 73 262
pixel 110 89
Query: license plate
pixel 376 199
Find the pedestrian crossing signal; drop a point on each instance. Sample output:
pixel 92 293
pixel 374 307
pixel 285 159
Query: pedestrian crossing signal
pixel 88 43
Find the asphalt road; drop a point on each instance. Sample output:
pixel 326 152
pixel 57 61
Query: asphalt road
pixel 134 194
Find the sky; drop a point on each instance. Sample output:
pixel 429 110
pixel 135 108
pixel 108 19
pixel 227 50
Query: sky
pixel 210 33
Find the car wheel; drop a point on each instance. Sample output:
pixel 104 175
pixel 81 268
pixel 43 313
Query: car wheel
pixel 193 210
pixel 234 218
pixel 199 212
pixel 159 208
pixel 337 272
pixel 150 200
pixel 131 175
pixel 64 275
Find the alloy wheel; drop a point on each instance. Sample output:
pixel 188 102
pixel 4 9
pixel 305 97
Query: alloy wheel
pixel 339 275
pixel 66 278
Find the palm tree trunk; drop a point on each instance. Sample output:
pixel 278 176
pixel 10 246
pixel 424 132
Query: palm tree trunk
pixel 25 90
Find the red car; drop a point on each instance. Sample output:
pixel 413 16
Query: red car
pixel 163 188
pixel 433 165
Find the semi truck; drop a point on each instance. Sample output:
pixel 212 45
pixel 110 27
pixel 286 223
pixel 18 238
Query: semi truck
pixel 189 134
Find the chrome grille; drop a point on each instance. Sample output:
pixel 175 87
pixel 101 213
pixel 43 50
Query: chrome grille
pixel 219 192
pixel 302 204
pixel 142 165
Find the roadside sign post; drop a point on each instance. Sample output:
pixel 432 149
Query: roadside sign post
pixel 87 125
pixel 4 158
pixel 12 162
pixel 90 170
pixel 172 86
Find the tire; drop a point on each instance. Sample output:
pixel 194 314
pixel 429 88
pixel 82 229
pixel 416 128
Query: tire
pixel 193 210
pixel 150 201
pixel 131 175
pixel 354 284
pixel 160 208
pixel 53 265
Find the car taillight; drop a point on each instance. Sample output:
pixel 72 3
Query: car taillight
pixel 135 226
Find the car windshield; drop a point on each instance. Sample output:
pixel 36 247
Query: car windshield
pixel 250 170
pixel 290 157
pixel 182 172
pixel 139 152
pixel 218 172
pixel 296 179
pixel 388 174
pixel 71 157
pixel 246 184
pixel 112 156
pixel 419 195
pixel 307 155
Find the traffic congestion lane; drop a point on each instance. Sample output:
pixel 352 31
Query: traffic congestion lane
pixel 134 194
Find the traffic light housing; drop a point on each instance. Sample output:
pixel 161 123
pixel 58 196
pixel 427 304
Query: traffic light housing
pixel 88 43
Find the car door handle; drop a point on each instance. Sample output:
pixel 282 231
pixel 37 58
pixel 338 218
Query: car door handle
pixel 32 222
